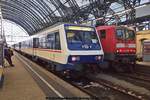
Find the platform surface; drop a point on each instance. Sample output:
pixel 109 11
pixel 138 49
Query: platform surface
pixel 19 85
pixel 144 63
pixel 27 81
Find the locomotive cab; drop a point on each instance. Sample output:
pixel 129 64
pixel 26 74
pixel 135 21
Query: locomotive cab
pixel 83 46
pixel 125 45
pixel 118 43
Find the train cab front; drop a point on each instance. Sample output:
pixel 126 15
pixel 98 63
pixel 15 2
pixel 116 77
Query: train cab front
pixel 83 46
pixel 125 45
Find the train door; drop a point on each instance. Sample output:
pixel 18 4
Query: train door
pixel 50 45
pixel 57 47
pixel 35 46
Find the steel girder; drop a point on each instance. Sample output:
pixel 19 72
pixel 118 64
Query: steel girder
pixel 18 17
pixel 130 4
pixel 23 11
pixel 18 21
pixel 19 13
pixel 35 15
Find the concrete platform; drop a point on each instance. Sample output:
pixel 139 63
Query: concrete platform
pixel 52 85
pixel 28 81
pixel 19 85
pixel 144 63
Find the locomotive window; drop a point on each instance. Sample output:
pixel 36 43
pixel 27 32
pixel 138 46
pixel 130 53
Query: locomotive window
pixel 103 34
pixel 120 33
pixel 42 42
pixel 130 34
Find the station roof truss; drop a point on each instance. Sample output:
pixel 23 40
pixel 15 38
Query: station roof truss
pixel 35 15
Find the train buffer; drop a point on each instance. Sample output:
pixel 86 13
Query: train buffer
pixel 23 82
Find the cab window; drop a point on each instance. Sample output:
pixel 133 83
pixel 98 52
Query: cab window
pixel 130 34
pixel 120 34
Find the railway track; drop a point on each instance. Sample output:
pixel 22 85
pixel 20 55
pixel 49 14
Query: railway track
pixel 135 79
pixel 86 83
pixel 119 89
pixel 142 69
pixel 115 88
pixel 137 76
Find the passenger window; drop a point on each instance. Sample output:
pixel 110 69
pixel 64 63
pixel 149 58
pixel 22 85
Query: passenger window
pixel 53 41
pixel 50 41
pixel 42 42
pixel 57 41
pixel 102 34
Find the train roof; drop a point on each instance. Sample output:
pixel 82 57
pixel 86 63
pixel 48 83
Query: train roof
pixel 105 27
pixel 63 23
pixel 114 26
pixel 53 26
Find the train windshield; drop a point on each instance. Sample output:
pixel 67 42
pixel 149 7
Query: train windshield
pixel 125 34
pixel 82 39
pixel 120 33
pixel 130 34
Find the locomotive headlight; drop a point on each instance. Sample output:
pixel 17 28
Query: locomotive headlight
pixel 117 51
pixel 134 51
pixel 98 57
pixel 75 58
pixel 120 50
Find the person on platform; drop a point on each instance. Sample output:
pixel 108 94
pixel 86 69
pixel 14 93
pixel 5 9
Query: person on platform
pixel 8 53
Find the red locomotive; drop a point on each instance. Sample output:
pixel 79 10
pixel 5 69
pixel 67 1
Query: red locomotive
pixel 118 43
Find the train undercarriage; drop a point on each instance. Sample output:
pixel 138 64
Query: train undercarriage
pixel 119 63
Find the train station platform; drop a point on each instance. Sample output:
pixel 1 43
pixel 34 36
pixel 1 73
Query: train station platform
pixel 18 84
pixel 28 81
pixel 144 63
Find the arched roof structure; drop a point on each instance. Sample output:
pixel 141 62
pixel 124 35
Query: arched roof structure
pixel 35 15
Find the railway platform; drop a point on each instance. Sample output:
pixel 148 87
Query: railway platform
pixel 27 81
pixel 144 63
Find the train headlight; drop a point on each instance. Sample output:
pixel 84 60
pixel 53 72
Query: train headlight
pixel 131 50
pixel 75 58
pixel 117 51
pixel 98 57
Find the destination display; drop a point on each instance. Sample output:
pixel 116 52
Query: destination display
pixel 79 28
